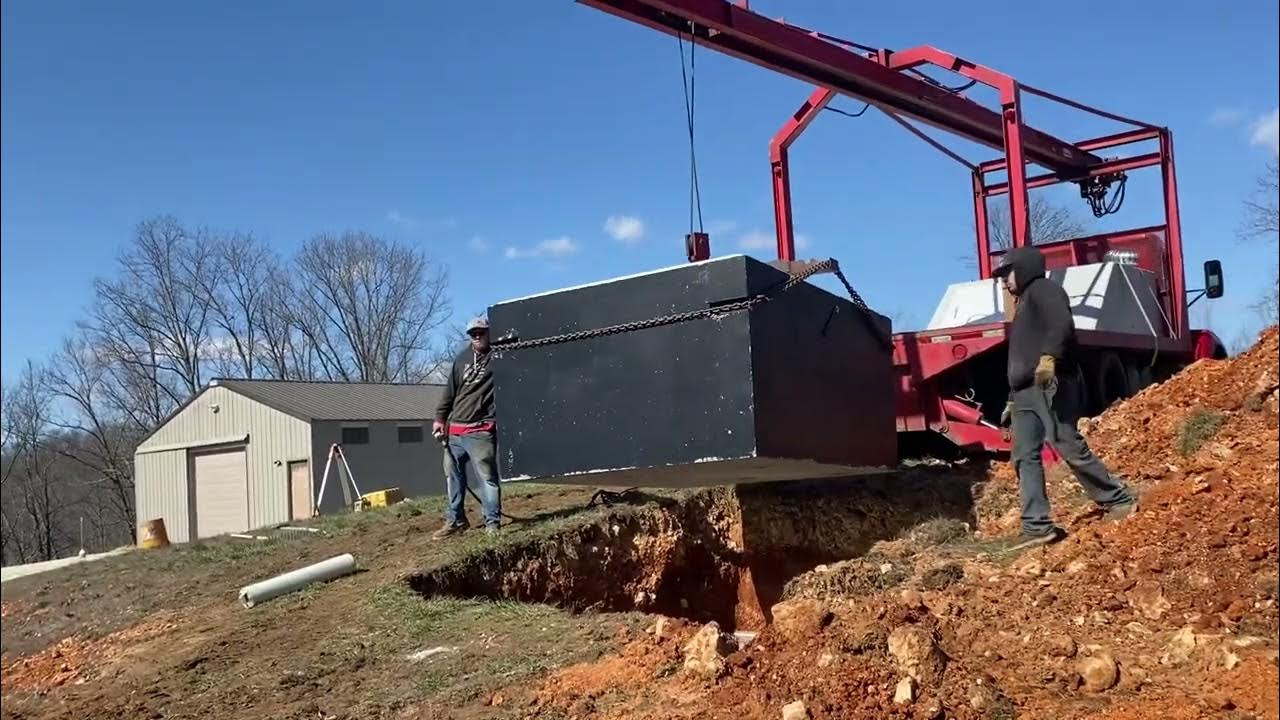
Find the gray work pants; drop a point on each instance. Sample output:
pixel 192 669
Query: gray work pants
pixel 1041 415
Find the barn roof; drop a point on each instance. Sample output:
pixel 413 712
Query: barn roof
pixel 315 400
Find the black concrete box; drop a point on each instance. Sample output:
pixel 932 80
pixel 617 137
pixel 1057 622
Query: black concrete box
pixel 793 388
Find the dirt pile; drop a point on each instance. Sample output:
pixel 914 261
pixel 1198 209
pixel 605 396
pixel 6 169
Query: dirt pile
pixel 73 658
pixel 1227 405
pixel 1171 613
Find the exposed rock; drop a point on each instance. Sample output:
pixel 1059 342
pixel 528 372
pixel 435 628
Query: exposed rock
pixel 1098 673
pixel 912 599
pixel 1148 599
pixel 800 619
pixel 795 711
pixel 905 693
pixel 1230 660
pixel 705 653
pixel 1180 646
pixel 981 698
pixel 1061 645
pixel 917 654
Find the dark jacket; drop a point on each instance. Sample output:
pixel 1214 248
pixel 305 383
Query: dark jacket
pixel 1042 323
pixel 468 394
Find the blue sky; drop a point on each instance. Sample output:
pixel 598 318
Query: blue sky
pixel 502 136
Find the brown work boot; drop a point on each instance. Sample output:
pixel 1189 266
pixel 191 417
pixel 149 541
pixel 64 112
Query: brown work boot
pixel 1026 541
pixel 1120 511
pixel 450 529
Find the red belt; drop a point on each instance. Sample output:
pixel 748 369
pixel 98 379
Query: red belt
pixel 468 428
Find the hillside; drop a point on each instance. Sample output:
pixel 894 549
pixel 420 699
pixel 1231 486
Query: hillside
pixel 843 594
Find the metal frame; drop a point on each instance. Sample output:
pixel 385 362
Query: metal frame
pixel 893 82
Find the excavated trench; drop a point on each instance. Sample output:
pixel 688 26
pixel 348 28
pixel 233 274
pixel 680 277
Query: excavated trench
pixel 722 554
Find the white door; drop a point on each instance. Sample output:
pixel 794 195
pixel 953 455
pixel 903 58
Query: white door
pixel 221 492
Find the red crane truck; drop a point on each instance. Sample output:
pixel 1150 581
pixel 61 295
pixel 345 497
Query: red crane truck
pixel 1128 287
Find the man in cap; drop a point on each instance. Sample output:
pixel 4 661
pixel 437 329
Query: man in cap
pixel 464 422
pixel 1045 399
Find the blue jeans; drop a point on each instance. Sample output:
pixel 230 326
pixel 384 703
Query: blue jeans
pixel 1040 415
pixel 478 450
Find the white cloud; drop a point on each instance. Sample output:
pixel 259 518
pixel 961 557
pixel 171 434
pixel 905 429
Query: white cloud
pixel 1226 116
pixel 759 240
pixel 721 227
pixel 395 217
pixel 624 228
pixel 756 240
pixel 553 248
pixel 479 244
pixel 411 223
pixel 1265 131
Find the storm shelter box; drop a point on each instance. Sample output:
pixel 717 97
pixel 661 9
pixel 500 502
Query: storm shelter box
pixel 797 387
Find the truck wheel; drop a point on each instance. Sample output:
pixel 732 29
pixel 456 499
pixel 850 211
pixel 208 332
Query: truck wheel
pixel 1110 381
pixel 1134 377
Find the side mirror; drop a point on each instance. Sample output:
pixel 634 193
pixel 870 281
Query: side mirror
pixel 1213 282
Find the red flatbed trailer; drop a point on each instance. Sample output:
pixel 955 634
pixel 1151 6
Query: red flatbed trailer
pixel 951 382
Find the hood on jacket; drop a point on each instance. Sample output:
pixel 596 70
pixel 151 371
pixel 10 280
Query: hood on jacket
pixel 1027 264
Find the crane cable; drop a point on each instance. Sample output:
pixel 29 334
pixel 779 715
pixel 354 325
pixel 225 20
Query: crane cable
pixel 688 79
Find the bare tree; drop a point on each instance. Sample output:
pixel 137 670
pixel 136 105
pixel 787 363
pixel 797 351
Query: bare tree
pixel 368 308
pixel 152 319
pixel 101 436
pixel 238 293
pixel 1262 216
pixel 1049 222
pixel 31 488
pixel 1262 223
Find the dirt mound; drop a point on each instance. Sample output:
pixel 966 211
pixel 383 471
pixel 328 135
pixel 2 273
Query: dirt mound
pixel 74 657
pixel 1171 613
pixel 1162 429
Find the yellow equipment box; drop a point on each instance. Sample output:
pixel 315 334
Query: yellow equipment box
pixel 381 498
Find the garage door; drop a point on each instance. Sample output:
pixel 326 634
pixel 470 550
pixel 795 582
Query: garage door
pixel 222 494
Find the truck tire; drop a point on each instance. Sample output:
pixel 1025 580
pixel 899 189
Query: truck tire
pixel 1109 382
pixel 1135 377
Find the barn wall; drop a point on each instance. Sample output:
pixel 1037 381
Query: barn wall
pixel 160 487
pixel 274 439
pixel 385 462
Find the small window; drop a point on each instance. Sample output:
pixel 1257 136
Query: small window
pixel 355 435
pixel 410 433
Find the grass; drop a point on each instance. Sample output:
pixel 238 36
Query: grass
pixel 1199 427
pixel 939 531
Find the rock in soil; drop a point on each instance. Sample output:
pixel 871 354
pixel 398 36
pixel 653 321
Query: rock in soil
pixel 801 619
pixel 795 711
pixel 905 693
pixel 1098 673
pixel 1061 645
pixel 1148 599
pixel 705 653
pixel 917 654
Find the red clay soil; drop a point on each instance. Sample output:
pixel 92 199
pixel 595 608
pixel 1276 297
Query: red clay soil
pixel 72 657
pixel 1182 596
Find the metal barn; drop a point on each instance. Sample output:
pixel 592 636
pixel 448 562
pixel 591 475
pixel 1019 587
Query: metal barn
pixel 245 454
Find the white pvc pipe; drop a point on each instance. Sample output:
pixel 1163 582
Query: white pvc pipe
pixel 334 567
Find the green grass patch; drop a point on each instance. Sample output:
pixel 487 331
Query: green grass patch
pixel 1199 427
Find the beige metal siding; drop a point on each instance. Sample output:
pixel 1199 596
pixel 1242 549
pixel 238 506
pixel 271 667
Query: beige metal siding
pixel 275 439
pixel 221 492
pixel 161 487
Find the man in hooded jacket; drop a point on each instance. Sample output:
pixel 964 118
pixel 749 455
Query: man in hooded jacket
pixel 1045 398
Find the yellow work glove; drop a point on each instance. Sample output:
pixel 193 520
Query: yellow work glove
pixel 1045 370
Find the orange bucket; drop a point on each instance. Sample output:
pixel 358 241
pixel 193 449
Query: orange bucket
pixel 153 535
